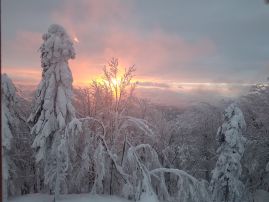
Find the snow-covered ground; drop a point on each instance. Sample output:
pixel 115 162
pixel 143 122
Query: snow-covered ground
pixel 67 198
pixel 260 196
pixel 75 198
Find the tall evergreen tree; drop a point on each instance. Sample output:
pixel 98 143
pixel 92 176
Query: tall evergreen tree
pixel 225 184
pixel 17 159
pixel 53 109
pixel 8 92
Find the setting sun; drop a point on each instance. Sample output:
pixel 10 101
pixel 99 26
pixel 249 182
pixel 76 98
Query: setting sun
pixel 76 39
pixel 115 82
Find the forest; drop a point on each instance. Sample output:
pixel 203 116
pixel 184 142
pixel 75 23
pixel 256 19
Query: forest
pixel 103 140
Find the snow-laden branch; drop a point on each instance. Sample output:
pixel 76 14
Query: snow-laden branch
pixel 142 124
pixel 177 172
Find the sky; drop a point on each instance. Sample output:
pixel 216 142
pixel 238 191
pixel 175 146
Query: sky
pixel 182 50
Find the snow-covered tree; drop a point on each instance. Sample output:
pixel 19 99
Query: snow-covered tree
pixel 139 161
pixel 53 109
pixel 148 179
pixel 255 106
pixel 118 145
pixel 17 153
pixel 8 92
pixel 196 129
pixel 225 183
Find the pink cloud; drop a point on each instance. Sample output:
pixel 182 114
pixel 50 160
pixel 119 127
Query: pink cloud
pixel 80 18
pixel 155 51
pixel 103 31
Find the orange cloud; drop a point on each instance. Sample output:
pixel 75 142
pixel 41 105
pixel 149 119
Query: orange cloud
pixel 154 52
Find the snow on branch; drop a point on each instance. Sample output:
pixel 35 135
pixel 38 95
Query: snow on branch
pixel 142 124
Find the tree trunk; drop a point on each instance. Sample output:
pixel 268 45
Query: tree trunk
pixel 111 178
pixel 123 150
pixel 37 179
pixel 57 182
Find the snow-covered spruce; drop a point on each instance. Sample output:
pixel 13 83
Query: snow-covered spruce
pixel 53 109
pixel 225 184
pixel 8 92
pixel 17 162
pixel 255 106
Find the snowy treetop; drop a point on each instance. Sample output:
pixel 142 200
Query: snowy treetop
pixel 53 108
pixel 232 128
pixel 8 99
pixel 235 115
pixel 57 46
pixel 8 88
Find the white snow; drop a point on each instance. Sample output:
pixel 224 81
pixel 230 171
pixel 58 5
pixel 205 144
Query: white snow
pixel 148 198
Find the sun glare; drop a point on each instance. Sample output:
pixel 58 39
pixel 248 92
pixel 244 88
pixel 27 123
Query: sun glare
pixel 115 82
pixel 76 39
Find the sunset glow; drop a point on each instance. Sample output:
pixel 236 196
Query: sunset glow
pixel 190 52
pixel 116 82
pixel 128 100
